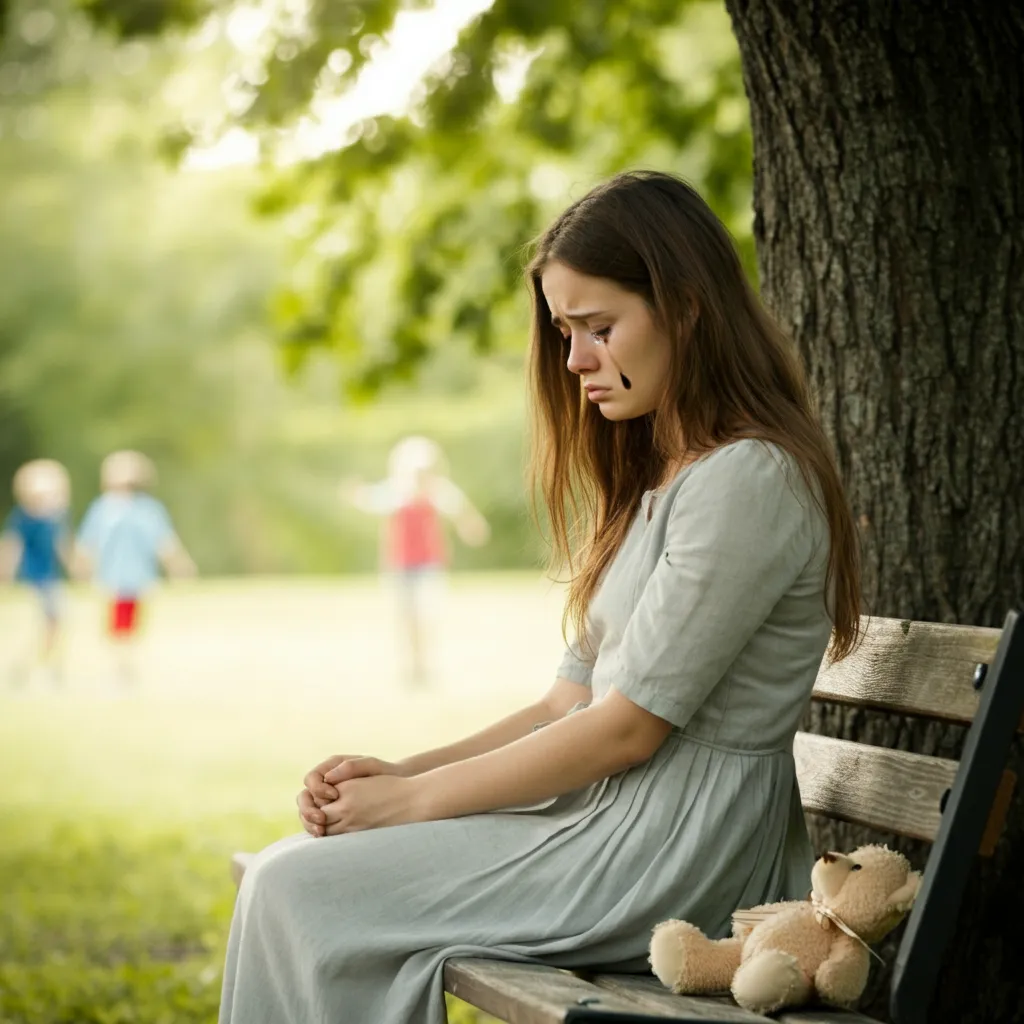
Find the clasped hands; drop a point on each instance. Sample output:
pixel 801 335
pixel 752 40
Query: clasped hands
pixel 351 793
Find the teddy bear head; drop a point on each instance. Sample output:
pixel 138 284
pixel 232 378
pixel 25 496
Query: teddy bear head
pixel 869 890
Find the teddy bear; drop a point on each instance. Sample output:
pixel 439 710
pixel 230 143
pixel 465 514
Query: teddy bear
pixel 786 954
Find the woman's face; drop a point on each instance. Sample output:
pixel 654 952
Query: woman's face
pixel 610 334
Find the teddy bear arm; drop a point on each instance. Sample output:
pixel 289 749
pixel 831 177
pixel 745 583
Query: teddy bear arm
pixel 842 975
pixel 742 929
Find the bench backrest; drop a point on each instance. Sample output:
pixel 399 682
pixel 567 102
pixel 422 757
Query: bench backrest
pixel 962 674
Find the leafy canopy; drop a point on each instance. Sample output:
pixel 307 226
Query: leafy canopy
pixel 415 222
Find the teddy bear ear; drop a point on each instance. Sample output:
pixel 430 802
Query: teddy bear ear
pixel 903 898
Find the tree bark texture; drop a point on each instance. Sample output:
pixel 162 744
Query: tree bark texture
pixel 889 222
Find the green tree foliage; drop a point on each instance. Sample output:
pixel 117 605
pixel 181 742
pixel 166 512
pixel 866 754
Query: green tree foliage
pixel 134 312
pixel 418 222
pixel 130 294
pixel 135 293
pixel 125 18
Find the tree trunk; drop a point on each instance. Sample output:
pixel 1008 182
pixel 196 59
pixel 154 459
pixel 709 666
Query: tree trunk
pixel 889 221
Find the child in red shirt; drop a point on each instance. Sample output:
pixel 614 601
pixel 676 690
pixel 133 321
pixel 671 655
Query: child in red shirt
pixel 414 499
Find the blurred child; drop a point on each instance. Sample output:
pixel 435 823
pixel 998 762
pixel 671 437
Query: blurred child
pixel 34 543
pixel 125 539
pixel 414 497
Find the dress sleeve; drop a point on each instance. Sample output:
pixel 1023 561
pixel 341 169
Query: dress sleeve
pixel 740 532
pixel 447 497
pixel 577 665
pixel 380 498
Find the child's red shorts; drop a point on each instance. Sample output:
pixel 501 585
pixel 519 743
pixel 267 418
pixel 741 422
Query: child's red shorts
pixel 124 616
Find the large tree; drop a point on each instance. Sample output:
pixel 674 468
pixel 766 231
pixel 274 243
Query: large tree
pixel 889 222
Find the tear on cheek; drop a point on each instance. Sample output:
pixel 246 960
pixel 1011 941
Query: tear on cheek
pixel 626 382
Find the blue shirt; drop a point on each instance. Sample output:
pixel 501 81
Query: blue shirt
pixel 124 534
pixel 39 538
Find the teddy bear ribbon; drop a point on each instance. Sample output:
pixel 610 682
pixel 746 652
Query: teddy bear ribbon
pixel 820 911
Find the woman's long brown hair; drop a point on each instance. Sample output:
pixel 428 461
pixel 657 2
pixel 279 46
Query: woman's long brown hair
pixel 733 375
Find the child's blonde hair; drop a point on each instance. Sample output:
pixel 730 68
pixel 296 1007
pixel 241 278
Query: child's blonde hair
pixel 413 457
pixel 42 487
pixel 127 470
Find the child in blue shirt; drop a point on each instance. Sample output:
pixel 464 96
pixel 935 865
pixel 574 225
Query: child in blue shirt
pixel 34 541
pixel 125 540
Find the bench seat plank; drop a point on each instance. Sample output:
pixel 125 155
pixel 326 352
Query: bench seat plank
pixel 888 790
pixel 824 1015
pixel 651 996
pixel 649 992
pixel 530 994
pixel 913 668
pixel 524 993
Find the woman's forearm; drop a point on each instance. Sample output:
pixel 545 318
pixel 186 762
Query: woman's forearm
pixel 568 754
pixel 508 730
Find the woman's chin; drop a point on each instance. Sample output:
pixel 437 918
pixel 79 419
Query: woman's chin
pixel 610 409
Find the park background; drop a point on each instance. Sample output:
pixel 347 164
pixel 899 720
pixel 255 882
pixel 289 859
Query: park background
pixel 159 289
pixel 261 241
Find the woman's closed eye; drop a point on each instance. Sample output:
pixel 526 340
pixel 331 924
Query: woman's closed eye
pixel 599 335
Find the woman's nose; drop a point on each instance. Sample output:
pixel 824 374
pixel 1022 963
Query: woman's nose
pixel 583 354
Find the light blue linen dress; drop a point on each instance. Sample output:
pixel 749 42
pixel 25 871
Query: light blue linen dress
pixel 711 616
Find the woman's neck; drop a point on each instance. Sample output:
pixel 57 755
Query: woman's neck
pixel 674 467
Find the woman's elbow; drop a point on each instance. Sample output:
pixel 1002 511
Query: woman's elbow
pixel 641 733
pixel 643 744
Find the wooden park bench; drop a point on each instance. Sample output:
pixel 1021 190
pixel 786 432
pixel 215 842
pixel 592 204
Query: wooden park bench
pixel 960 674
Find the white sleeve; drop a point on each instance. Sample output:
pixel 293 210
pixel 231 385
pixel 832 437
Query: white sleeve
pixel 379 498
pixel 446 497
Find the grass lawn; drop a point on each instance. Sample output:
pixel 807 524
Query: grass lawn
pixel 119 807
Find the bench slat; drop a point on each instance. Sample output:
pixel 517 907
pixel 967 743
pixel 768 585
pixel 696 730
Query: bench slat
pixel 528 994
pixel 649 992
pixel 650 995
pixel 888 790
pixel 825 1015
pixel 914 668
